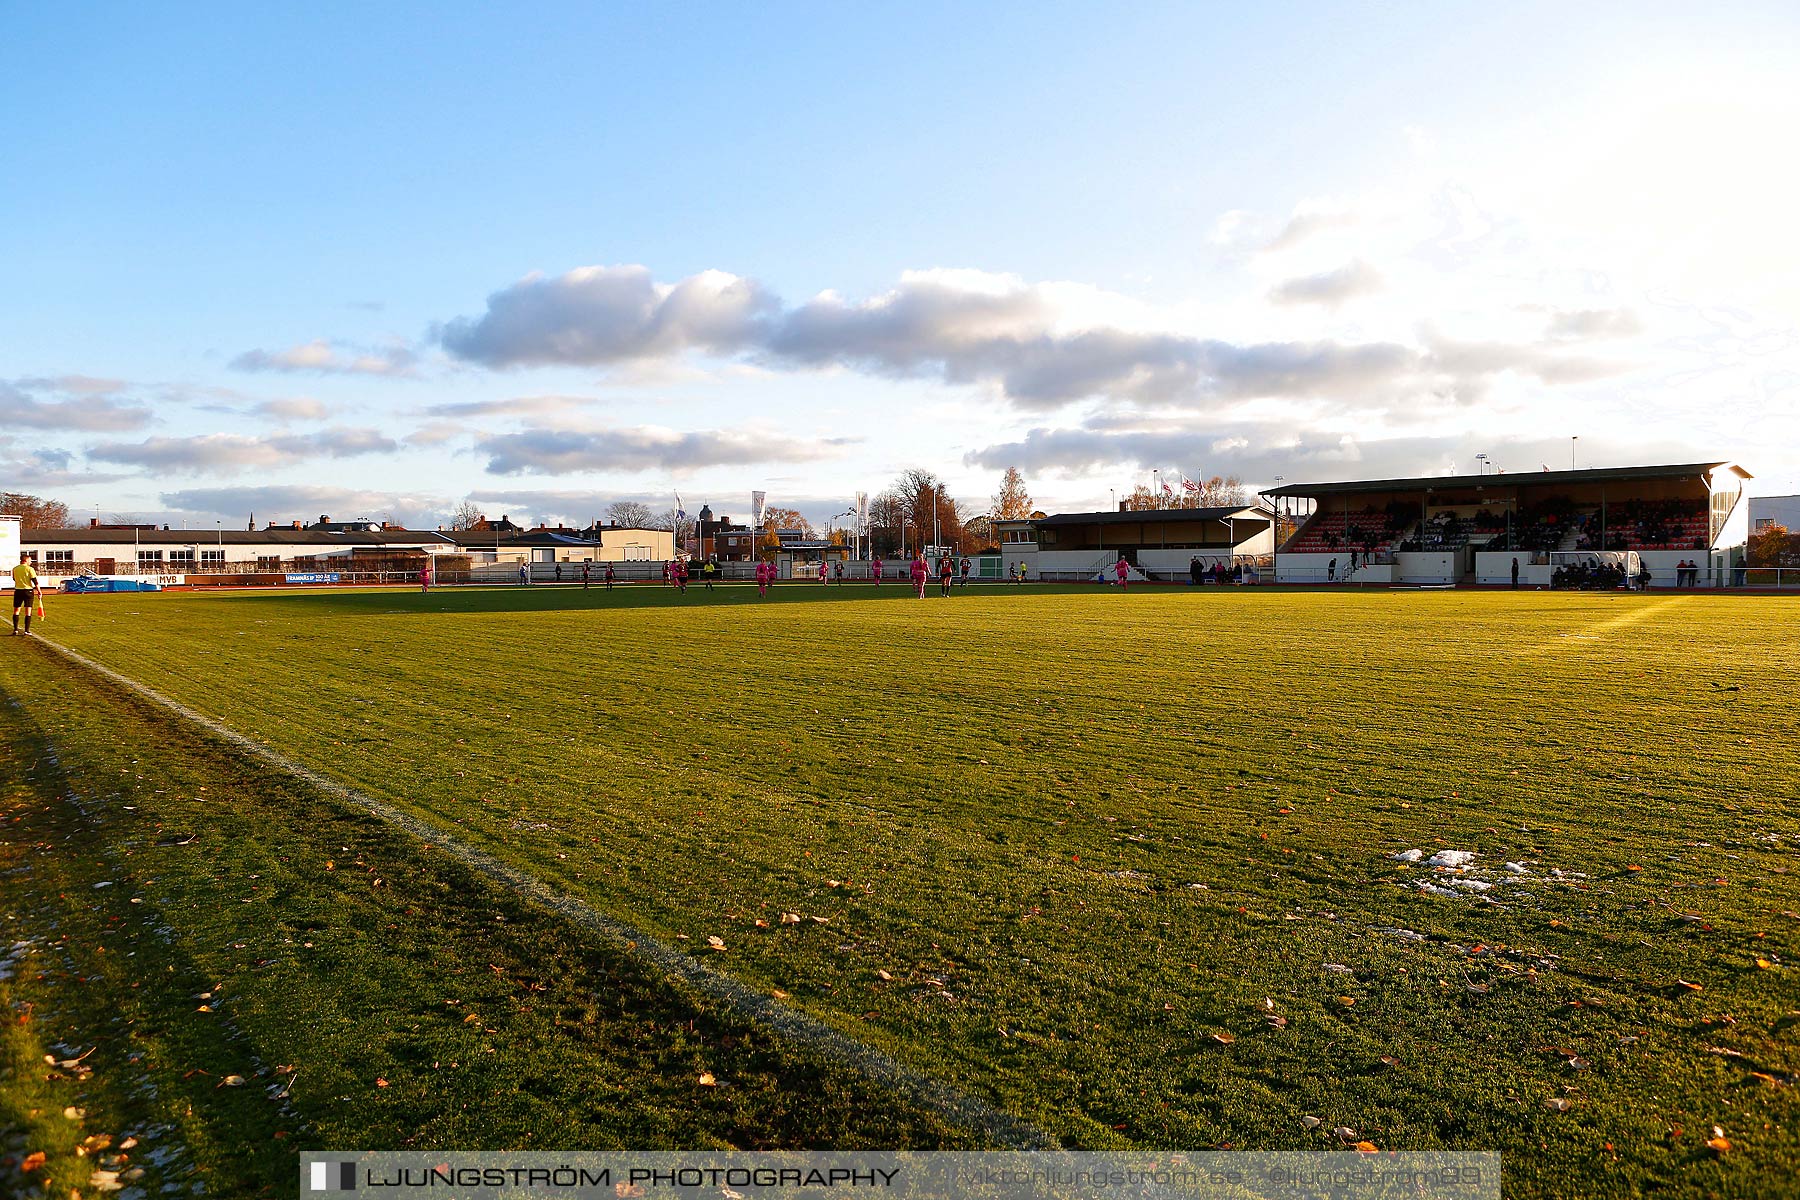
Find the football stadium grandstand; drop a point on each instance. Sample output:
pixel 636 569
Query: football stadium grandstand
pixel 1650 522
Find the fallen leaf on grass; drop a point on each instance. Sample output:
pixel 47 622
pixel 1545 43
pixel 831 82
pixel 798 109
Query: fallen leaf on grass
pixel 1390 1060
pixel 33 1161
pixel 1558 1104
pixel 73 1113
pixel 707 1079
pixel 1365 1147
pixel 1763 964
pixel 1310 1122
pixel 379 1082
pixel 884 977
pixel 1692 987
pixel 1224 1039
pixel 779 994
pixel 790 918
pixel 232 1081
pixel 717 943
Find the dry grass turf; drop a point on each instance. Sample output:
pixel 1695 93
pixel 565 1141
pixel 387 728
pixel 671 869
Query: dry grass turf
pixel 1120 864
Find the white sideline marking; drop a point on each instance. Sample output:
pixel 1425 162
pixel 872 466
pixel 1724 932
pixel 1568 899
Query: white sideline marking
pixel 967 1111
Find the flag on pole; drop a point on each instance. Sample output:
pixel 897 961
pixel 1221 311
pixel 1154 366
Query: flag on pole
pixel 758 504
pixel 1189 485
pixel 680 512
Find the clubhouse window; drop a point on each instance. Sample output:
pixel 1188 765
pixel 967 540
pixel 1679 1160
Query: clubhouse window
pixel 150 558
pixel 212 556
pixel 59 557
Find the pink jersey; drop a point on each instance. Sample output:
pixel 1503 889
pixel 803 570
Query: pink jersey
pixel 918 569
pixel 1121 569
pixel 876 568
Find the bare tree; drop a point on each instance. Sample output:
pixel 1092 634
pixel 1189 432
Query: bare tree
pixel 632 514
pixel 37 512
pixel 465 516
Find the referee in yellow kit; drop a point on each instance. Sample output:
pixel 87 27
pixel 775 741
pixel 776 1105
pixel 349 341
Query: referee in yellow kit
pixel 25 584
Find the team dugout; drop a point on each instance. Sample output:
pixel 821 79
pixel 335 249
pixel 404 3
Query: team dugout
pixel 1471 528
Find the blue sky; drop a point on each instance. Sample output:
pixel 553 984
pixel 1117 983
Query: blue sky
pixel 1317 241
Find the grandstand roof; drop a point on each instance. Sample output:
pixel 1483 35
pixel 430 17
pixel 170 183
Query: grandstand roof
pixel 1154 515
pixel 1515 479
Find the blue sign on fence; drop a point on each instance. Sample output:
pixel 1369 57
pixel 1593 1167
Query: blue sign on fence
pixel 313 578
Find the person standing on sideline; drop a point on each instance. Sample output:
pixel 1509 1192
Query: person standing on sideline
pixel 559 572
pixel 919 574
pixel 1515 573
pixel 425 577
pixel 838 570
pixel 587 573
pixel 875 570
pixel 524 574
pixel 609 576
pixel 1331 571
pixel 1123 570
pixel 25 586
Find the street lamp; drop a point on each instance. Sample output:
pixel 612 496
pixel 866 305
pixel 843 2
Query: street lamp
pixel 1481 461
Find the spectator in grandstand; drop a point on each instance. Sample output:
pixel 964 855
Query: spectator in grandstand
pixel 1353 558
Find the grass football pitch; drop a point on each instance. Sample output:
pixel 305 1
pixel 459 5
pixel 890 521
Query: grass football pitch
pixel 1120 868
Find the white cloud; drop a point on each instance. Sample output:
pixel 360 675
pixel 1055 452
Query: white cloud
pixel 567 452
pixel 595 315
pixel 225 453
pixel 322 357
pixel 78 404
pixel 1330 288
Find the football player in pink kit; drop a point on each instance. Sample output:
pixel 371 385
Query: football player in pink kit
pixel 919 574
pixel 1121 568
pixel 875 570
pixel 763 571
